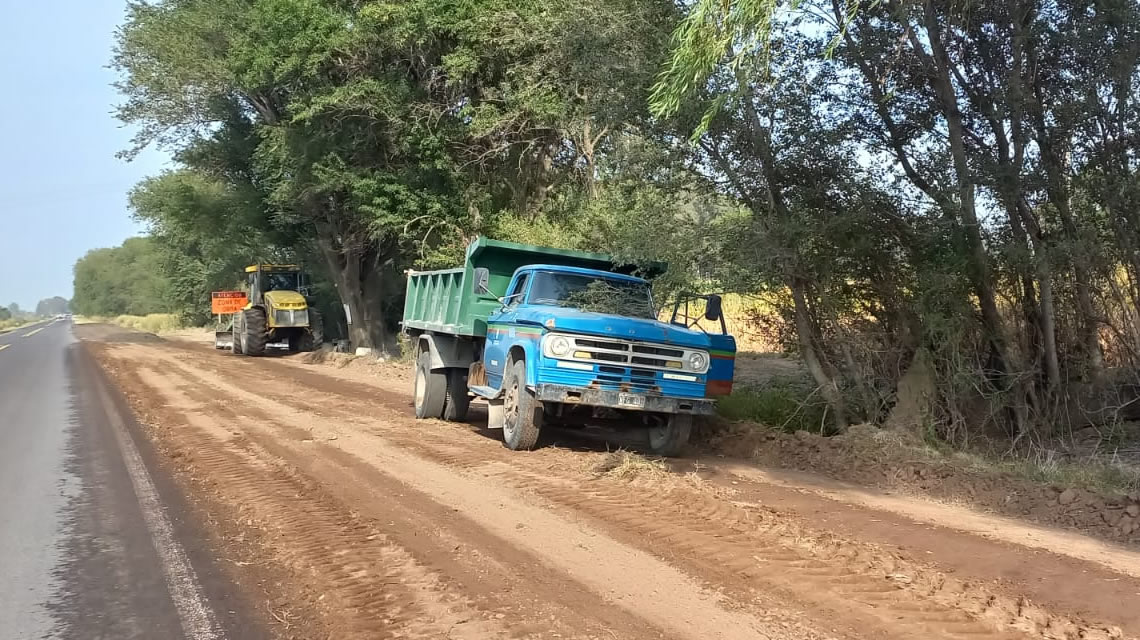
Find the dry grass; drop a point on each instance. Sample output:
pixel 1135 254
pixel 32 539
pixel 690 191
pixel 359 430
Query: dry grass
pixel 628 465
pixel 150 323
pixel 12 324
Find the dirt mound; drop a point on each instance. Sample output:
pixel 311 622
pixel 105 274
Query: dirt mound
pixel 874 457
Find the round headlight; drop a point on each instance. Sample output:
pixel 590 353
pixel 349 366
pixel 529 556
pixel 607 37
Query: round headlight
pixel 559 346
pixel 697 361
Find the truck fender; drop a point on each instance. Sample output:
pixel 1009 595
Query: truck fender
pixel 531 353
pixel 447 351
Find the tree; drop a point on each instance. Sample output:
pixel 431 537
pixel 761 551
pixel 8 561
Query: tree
pixel 127 279
pixel 52 306
pixel 985 120
pixel 370 133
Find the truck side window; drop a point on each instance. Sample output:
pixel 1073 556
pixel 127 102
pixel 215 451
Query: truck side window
pixel 516 294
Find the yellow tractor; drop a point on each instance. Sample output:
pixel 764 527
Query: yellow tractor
pixel 277 312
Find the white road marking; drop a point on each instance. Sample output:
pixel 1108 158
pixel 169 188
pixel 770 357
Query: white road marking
pixel 198 621
pixel 4 346
pixel 34 332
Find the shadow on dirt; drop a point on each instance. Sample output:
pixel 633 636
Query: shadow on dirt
pixel 583 439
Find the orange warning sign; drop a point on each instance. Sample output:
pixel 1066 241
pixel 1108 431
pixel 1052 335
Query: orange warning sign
pixel 228 301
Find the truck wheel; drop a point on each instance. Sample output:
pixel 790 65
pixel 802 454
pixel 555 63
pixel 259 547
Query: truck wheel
pixel 314 336
pixel 457 402
pixel 254 334
pixel 667 437
pixel 237 333
pixel 522 413
pixel 430 391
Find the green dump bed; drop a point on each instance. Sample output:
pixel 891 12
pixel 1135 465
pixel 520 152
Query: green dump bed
pixel 445 301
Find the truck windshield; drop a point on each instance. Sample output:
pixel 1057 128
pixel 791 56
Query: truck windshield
pixel 589 293
pixel 284 281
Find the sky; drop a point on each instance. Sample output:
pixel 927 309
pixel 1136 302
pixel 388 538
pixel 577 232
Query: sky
pixel 62 190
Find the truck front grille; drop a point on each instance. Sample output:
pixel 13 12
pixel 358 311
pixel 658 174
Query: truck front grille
pixel 291 317
pixel 623 379
pixel 628 353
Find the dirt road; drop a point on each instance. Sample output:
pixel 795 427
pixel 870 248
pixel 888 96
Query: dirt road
pixel 349 519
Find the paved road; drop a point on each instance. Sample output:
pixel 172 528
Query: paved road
pixel 92 544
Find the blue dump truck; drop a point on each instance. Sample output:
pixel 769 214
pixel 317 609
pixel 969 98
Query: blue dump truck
pixel 549 336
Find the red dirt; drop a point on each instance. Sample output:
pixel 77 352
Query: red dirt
pixel 384 526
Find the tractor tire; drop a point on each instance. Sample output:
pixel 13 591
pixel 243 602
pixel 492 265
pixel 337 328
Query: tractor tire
pixel 314 337
pixel 238 333
pixel 254 333
pixel 430 390
pixel 670 436
pixel 522 412
pixel 457 402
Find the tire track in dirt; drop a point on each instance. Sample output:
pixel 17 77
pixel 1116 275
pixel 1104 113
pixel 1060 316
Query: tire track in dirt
pixel 374 587
pixel 550 596
pixel 883 584
pixel 852 582
pixel 645 587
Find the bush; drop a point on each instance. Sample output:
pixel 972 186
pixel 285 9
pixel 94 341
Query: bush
pixel 13 323
pixel 786 404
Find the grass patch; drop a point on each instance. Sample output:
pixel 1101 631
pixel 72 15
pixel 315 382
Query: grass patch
pixel 12 324
pixel 1106 476
pixel 150 323
pixel 627 465
pixel 785 404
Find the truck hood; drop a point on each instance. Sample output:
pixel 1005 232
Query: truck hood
pixel 285 299
pixel 601 324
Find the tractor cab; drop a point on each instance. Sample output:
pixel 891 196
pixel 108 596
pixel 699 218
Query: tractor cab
pixel 267 278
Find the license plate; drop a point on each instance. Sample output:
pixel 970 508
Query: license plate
pixel 631 400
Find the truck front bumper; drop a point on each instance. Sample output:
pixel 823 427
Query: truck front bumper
pixel 621 400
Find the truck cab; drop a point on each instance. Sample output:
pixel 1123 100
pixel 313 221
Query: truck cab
pixel 562 341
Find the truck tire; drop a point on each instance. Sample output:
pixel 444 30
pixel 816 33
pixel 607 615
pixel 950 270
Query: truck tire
pixel 254 334
pixel 522 413
pixel 457 402
pixel 238 333
pixel 669 437
pixel 430 388
pixel 314 336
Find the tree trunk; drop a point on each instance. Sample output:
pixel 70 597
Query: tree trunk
pixel 821 370
pixel 357 291
pixel 1057 188
pixel 804 332
pixel 980 270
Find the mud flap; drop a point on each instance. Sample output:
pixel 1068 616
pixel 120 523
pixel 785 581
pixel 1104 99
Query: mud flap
pixel 495 414
pixel 223 339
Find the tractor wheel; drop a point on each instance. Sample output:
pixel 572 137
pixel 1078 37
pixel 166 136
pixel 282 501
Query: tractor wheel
pixel 238 333
pixel 522 412
pixel 457 403
pixel 254 334
pixel 430 391
pixel 670 435
pixel 314 336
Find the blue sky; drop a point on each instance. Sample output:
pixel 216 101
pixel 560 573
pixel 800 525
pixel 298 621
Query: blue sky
pixel 62 191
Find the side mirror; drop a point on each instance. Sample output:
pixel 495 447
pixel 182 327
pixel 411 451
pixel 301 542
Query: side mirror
pixel 713 307
pixel 481 281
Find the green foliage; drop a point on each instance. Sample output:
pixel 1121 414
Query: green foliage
pixel 782 403
pixel 5 314
pixel 604 297
pixel 127 279
pixel 374 135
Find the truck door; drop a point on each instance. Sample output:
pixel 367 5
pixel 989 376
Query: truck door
pixel 499 328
